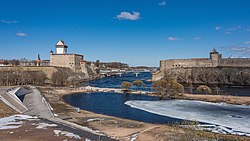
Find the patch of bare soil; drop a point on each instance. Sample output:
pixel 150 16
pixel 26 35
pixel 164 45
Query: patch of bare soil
pixel 237 100
pixel 29 132
pixel 173 133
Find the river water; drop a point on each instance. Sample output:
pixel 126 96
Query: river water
pixel 226 118
pixel 113 104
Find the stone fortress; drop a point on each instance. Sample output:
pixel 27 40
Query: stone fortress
pixel 215 60
pixel 61 58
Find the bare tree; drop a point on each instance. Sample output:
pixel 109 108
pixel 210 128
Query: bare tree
pixel 204 89
pixel 168 88
pixel 139 84
pixel 59 78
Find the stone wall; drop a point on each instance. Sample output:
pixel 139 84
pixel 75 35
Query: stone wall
pixel 71 61
pixel 184 63
pixel 235 62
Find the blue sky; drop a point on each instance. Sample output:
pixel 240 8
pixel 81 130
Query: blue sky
pixel 137 32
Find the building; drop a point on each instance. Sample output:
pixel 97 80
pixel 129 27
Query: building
pixel 215 60
pixel 38 61
pixel 63 59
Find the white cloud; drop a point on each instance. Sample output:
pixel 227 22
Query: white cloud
pixel 9 22
pixel 21 34
pixel 197 38
pixel 248 42
pixel 233 28
pixel 218 27
pixel 129 16
pixel 162 3
pixel 173 38
pixel 240 50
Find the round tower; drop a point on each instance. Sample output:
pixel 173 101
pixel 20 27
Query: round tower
pixel 215 57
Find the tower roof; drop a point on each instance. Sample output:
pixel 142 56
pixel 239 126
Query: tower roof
pixel 214 50
pixel 60 43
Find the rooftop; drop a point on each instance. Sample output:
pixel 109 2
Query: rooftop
pixel 214 50
pixel 60 43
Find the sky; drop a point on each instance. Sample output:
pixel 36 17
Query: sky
pixel 137 32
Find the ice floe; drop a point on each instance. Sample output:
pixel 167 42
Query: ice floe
pixel 226 118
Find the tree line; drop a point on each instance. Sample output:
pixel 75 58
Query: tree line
pixel 21 77
pixel 13 77
pixel 208 76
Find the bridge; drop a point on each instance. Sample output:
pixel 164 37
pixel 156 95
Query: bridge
pixel 120 72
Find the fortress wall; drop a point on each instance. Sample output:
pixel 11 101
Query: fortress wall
pixel 61 60
pixel 235 62
pixel 78 66
pixel 66 60
pixel 184 63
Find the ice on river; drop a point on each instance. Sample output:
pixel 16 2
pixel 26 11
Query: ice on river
pixel 235 117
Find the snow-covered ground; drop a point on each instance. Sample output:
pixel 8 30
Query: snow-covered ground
pixel 13 122
pixel 67 134
pixel 226 118
pixel 45 125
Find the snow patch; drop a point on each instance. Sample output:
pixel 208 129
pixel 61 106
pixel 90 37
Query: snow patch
pixel 134 137
pixel 95 119
pixel 67 134
pixel 45 125
pixel 13 122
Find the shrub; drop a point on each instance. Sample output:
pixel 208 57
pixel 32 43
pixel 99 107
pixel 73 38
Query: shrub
pixel 204 89
pixel 168 88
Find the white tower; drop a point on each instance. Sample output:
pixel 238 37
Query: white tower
pixel 61 47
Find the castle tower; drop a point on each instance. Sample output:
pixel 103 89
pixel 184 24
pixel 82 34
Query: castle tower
pixel 215 57
pixel 61 47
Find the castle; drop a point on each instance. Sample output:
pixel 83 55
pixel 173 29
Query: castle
pixel 61 58
pixel 215 60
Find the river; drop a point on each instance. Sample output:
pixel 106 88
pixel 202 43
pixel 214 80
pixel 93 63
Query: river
pixel 226 118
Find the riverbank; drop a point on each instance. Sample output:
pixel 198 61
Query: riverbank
pixel 236 100
pixel 121 129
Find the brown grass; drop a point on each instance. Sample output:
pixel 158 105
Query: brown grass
pixel 239 100
pixel 6 110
